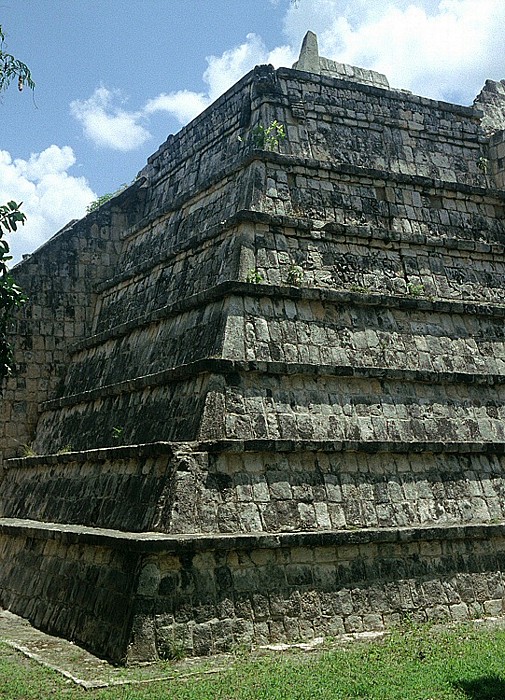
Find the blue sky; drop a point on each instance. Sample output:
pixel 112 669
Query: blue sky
pixel 115 77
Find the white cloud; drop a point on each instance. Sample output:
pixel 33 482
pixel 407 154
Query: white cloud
pixel 108 125
pixel 443 49
pixel 51 197
pixel 223 71
pixel 112 126
pixel 440 48
pixel 183 104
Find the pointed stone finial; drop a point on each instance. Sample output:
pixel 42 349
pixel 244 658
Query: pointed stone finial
pixel 311 62
pixel 309 55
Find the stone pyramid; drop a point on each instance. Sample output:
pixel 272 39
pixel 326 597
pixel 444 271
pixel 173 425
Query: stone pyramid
pixel 261 391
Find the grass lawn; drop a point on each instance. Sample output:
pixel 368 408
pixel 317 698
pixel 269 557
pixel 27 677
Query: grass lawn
pixel 415 663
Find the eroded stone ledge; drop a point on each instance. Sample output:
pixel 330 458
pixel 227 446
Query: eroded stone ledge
pixel 308 228
pixel 235 367
pixel 401 95
pixel 159 542
pixel 153 449
pixel 430 185
pixel 236 288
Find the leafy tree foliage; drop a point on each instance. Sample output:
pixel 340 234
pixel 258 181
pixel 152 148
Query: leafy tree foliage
pixel 97 203
pixel 11 295
pixel 12 69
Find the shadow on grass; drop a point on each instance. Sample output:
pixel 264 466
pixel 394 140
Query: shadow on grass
pixel 486 688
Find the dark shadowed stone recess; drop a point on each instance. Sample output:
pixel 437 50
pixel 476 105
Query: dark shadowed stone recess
pixel 260 394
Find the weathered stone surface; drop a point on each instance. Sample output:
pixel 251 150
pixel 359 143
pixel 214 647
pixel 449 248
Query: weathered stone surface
pixel 491 100
pixel 285 489
pixel 203 592
pixel 263 390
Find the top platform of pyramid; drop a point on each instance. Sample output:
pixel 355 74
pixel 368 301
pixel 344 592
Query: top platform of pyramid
pixel 311 62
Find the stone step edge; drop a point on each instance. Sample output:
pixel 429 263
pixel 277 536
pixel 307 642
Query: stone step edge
pixel 146 542
pixel 234 369
pixel 171 449
pixel 391 92
pixel 235 288
pixel 363 171
pixel 243 160
pixel 305 228
pixel 250 80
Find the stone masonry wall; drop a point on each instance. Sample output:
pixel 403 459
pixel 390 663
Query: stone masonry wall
pixel 496 163
pixel 312 402
pixel 150 348
pixel 185 274
pixel 396 205
pixel 372 330
pixel 281 328
pixel 364 259
pixel 123 488
pixel 426 361
pixel 211 595
pixel 59 283
pixel 67 587
pixel 142 410
pixel 332 120
pixel 310 339
pixel 171 253
pixel 319 405
pixel 360 329
pixel 327 119
pixel 209 600
pixel 197 219
pixel 293 487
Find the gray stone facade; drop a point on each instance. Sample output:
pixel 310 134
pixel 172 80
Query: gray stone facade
pixel 260 393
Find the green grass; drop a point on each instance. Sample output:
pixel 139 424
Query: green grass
pixel 416 663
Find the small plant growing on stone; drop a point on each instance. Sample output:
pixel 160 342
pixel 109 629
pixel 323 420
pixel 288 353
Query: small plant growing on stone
pixel 358 289
pixel 97 203
pixel 65 449
pixel 28 451
pixel 254 277
pixel 117 432
pixel 269 137
pixel 416 290
pixel 483 165
pixel 171 650
pixel 295 275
